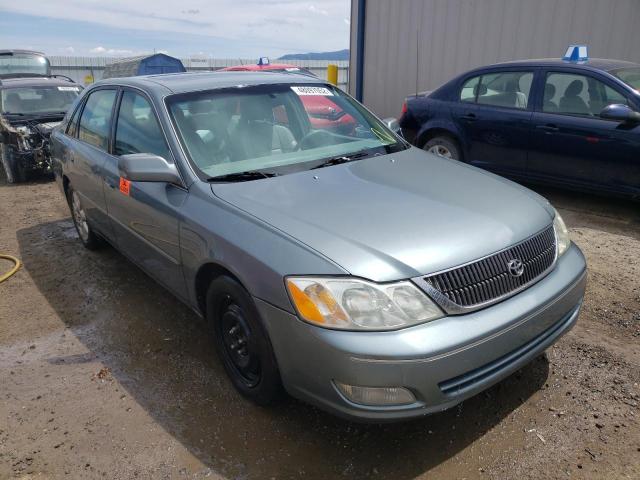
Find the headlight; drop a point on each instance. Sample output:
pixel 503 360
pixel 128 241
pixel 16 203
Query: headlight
pixel 562 234
pixel 353 304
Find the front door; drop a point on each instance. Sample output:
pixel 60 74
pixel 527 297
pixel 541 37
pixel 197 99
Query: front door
pixel 144 215
pixel 494 115
pixel 570 142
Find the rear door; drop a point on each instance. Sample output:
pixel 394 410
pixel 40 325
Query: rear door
pixel 145 215
pixel 572 144
pixel 86 153
pixel 493 112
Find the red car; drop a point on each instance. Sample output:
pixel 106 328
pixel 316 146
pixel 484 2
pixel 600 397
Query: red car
pixel 323 113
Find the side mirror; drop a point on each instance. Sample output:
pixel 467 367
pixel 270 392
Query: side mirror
pixel 620 113
pixel 393 125
pixel 146 167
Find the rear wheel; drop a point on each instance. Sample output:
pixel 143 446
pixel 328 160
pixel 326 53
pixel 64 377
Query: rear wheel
pixel 12 169
pixel 242 341
pixel 87 236
pixel 443 146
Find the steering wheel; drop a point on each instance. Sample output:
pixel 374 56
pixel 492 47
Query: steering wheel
pixel 315 138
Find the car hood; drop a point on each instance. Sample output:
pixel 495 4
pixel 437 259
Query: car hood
pixel 395 216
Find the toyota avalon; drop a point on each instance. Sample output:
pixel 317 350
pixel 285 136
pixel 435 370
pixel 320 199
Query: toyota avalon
pixel 349 269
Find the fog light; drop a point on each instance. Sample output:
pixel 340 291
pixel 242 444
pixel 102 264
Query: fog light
pixel 378 396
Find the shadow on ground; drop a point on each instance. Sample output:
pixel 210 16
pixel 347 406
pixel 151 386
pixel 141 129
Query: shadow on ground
pixel 160 352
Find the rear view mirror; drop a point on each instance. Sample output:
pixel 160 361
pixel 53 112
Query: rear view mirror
pixel 619 113
pixel 393 125
pixel 146 167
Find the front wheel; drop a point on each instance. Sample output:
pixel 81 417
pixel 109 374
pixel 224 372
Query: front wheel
pixel 242 341
pixel 13 171
pixel 443 147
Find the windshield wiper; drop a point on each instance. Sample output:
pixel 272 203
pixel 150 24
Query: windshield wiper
pixel 341 159
pixel 242 176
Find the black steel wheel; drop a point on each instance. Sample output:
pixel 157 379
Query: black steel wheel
pixel 242 341
pixel 12 168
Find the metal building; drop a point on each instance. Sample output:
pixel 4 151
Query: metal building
pixel 143 65
pixel 399 47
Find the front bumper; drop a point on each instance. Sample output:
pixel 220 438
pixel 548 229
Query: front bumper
pixel 442 362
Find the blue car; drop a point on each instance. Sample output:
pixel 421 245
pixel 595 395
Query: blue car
pixel 567 123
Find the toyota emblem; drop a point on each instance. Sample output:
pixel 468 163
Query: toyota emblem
pixel 515 267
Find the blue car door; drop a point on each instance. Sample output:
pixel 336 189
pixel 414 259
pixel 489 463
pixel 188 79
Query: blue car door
pixel 493 112
pixel 571 144
pixel 145 216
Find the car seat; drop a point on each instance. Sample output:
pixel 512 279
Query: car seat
pixel 12 103
pixel 256 135
pixel 571 102
pixel 549 93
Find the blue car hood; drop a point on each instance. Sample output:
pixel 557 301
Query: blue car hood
pixel 395 216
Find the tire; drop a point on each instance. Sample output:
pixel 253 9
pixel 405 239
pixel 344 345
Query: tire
pixel 88 237
pixel 444 146
pixel 12 170
pixel 242 341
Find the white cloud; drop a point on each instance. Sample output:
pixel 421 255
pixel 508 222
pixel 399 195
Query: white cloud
pixel 70 50
pixel 273 25
pixel 314 9
pixel 111 52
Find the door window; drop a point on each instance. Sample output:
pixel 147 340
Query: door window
pixel 505 89
pixel 95 122
pixel 470 90
pixel 572 94
pixel 500 89
pixel 137 129
pixel 72 126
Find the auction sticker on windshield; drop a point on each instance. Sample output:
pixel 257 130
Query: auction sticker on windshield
pixel 69 89
pixel 312 91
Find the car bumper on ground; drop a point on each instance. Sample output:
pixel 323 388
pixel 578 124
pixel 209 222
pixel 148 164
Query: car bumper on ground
pixel 441 362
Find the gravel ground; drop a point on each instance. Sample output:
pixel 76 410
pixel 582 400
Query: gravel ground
pixel 105 375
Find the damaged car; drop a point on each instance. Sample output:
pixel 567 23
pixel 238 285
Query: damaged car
pixel 30 107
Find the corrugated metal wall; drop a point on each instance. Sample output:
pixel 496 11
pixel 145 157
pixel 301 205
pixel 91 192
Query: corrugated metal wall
pixel 416 45
pixel 79 67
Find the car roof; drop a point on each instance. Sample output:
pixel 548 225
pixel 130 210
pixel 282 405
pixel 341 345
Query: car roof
pixel 593 63
pixel 35 81
pixel 20 52
pixel 191 82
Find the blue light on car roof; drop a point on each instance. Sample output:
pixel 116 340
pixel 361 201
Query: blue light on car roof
pixel 576 53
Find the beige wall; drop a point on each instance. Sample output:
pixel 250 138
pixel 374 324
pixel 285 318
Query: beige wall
pixel 416 45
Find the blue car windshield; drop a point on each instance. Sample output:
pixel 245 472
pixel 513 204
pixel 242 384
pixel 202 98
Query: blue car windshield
pixel 278 128
pixel 630 76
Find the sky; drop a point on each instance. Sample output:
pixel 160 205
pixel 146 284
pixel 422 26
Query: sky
pixel 183 28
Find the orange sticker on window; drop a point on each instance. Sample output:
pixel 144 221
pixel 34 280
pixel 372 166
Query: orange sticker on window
pixel 125 185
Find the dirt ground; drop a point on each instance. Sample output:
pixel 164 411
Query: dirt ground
pixel 103 374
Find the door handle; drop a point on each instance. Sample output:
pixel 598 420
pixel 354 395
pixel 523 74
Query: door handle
pixel 549 127
pixel 469 117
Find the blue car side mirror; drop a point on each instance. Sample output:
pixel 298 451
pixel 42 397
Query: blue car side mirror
pixel 620 113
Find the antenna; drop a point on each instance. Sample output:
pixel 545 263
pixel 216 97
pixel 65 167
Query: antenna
pixel 418 32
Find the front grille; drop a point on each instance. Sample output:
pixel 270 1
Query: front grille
pixel 489 280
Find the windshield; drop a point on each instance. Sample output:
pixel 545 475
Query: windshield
pixel 630 76
pixel 32 100
pixel 23 64
pixel 276 129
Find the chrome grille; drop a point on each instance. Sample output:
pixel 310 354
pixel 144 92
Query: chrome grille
pixel 488 280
